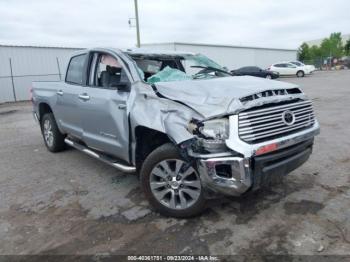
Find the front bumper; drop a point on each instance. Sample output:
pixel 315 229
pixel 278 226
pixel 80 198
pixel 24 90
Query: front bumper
pixel 244 170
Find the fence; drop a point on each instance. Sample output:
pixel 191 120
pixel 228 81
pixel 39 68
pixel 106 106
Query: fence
pixel 328 63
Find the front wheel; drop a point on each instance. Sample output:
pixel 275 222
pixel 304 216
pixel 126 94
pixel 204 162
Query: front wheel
pixel 268 76
pixel 172 185
pixel 300 73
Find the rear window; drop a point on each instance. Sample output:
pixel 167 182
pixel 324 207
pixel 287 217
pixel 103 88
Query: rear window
pixel 75 70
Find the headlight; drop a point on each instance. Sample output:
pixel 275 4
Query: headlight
pixel 216 128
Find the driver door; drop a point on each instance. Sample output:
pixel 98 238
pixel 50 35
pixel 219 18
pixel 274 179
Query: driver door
pixel 104 112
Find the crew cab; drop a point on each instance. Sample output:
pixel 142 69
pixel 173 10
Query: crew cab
pixel 187 127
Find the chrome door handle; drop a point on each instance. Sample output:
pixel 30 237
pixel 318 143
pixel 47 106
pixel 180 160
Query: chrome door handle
pixel 59 92
pixel 84 97
pixel 122 106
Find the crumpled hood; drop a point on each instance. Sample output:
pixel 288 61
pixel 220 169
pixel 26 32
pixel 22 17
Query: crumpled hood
pixel 216 96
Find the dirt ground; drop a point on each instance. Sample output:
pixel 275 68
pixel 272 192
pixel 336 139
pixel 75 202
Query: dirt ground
pixel 69 203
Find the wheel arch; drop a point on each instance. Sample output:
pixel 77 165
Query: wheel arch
pixel 147 140
pixel 44 108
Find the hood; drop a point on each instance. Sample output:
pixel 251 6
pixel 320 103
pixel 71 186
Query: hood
pixel 218 96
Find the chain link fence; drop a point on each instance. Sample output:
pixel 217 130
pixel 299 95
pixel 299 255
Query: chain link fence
pixel 329 63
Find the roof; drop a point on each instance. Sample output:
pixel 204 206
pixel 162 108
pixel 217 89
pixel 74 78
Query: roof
pixel 32 46
pixel 147 51
pixel 218 45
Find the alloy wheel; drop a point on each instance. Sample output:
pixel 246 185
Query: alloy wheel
pixel 48 134
pixel 175 184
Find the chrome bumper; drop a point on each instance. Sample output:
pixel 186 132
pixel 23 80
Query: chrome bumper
pixel 234 186
pixel 240 167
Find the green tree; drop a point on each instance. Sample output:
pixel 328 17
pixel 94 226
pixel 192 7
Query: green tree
pixel 332 46
pixel 347 48
pixel 304 52
pixel 315 52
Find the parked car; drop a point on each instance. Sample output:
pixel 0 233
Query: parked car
pixel 255 71
pixel 188 128
pixel 310 68
pixel 288 69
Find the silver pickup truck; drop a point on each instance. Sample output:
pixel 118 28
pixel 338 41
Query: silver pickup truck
pixel 185 125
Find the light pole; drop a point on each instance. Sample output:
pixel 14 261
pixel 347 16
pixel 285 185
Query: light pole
pixel 138 44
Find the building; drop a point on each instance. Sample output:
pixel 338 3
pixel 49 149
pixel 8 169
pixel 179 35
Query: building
pixel 232 56
pixel 318 42
pixel 20 65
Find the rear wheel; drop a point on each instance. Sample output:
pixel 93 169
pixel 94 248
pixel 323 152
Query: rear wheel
pixel 53 138
pixel 172 185
pixel 300 73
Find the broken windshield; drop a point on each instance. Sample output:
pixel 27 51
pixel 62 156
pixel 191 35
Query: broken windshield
pixel 175 67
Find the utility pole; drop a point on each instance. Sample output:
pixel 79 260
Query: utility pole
pixel 137 24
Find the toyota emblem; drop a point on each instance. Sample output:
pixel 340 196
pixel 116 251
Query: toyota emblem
pixel 288 117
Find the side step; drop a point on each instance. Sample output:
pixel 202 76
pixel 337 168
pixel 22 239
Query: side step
pixel 107 160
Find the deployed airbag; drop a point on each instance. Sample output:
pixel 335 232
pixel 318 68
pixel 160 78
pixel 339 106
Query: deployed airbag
pixel 168 74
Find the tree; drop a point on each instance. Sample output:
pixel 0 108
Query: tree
pixel 315 52
pixel 332 46
pixel 347 48
pixel 304 52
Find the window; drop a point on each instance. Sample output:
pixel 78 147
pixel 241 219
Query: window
pixel 75 70
pixel 280 65
pixel 106 71
pixel 290 66
pixel 297 63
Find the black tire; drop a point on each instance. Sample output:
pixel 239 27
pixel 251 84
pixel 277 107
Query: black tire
pixel 268 76
pixel 57 143
pixel 166 152
pixel 300 73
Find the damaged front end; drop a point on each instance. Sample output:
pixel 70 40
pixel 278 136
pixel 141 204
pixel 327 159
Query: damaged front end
pixel 235 130
pixel 222 169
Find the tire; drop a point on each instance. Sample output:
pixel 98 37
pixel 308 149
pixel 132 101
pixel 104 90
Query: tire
pixel 268 76
pixel 176 194
pixel 53 138
pixel 300 73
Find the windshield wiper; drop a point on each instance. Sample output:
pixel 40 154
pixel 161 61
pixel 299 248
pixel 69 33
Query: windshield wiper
pixel 210 69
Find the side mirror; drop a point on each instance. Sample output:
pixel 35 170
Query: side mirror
pixel 121 86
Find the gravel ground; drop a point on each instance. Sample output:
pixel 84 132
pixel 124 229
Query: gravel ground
pixel 69 203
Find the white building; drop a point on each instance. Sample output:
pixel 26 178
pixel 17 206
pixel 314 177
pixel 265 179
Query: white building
pixel 232 56
pixel 20 65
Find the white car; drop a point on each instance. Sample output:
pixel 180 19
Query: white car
pixel 289 69
pixel 310 68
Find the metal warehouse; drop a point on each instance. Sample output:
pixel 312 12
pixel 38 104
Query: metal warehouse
pixel 20 65
pixel 232 56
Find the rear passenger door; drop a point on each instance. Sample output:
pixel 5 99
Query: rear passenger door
pixel 104 112
pixel 67 106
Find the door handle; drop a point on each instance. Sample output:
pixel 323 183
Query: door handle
pixel 122 106
pixel 84 97
pixel 59 92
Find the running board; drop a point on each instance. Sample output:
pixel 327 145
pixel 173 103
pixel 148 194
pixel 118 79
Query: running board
pixel 105 159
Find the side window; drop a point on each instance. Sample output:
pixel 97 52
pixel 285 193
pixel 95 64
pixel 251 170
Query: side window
pixel 75 70
pixel 106 71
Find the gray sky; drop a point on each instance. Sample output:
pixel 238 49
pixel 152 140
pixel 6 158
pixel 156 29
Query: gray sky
pixel 83 23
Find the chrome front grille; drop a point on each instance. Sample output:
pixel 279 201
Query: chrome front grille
pixel 274 121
